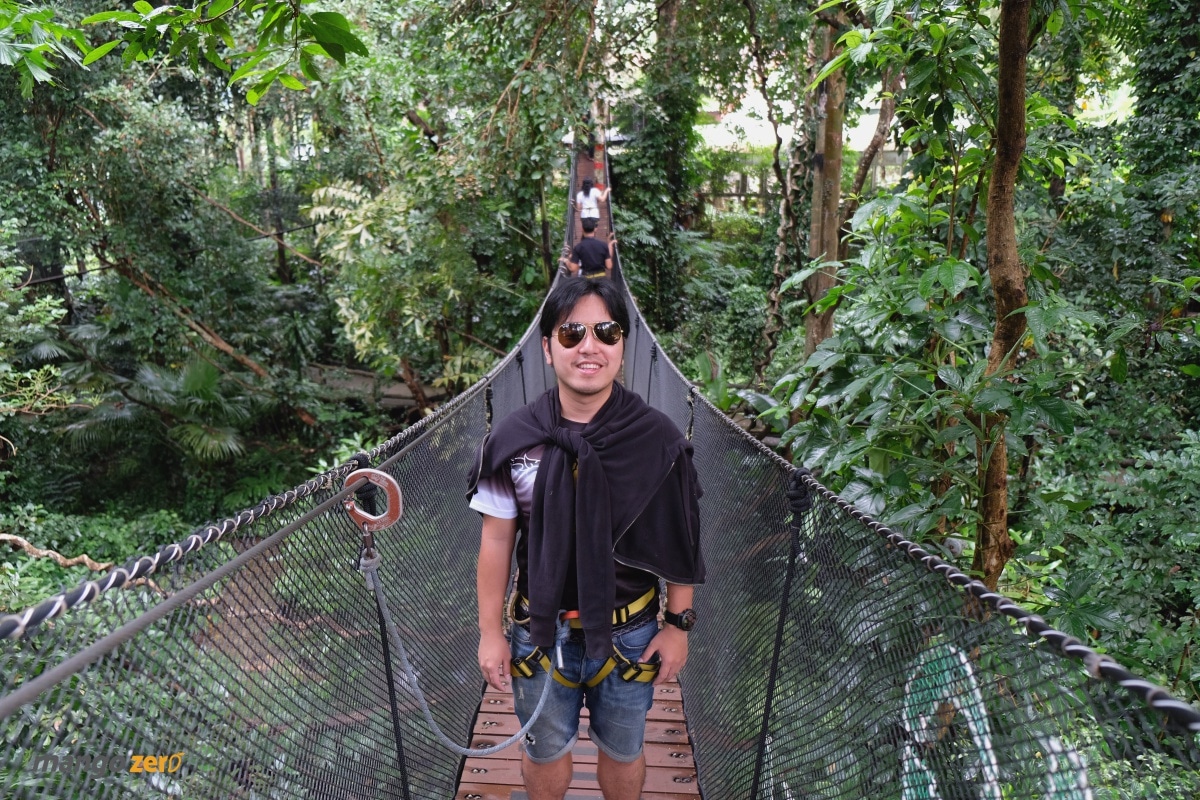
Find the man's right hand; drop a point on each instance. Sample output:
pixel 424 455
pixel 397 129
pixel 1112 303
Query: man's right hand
pixel 494 657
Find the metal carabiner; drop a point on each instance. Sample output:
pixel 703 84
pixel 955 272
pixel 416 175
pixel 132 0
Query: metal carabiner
pixel 374 522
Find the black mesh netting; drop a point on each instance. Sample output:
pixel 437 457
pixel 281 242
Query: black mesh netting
pixel 834 659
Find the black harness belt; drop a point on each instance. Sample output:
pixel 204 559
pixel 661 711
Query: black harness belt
pixel 620 616
pixel 630 670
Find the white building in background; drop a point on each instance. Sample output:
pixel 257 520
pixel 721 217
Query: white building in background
pixel 747 126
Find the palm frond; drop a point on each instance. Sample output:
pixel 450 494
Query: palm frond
pixel 200 378
pixel 208 443
pixel 44 350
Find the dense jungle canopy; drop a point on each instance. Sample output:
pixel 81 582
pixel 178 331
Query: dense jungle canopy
pixel 241 241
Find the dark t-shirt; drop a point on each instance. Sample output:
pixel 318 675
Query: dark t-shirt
pixel 631 583
pixel 590 253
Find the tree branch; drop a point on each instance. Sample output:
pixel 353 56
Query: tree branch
pixel 58 558
pixel 479 341
pixel 412 116
pixel 587 42
pixel 543 25
pixel 411 379
pixel 887 112
pixel 277 237
pixel 154 289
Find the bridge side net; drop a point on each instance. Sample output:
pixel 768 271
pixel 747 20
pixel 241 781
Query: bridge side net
pixel 837 660
pixel 247 661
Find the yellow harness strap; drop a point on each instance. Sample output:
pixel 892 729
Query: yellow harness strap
pixel 630 670
pixel 620 616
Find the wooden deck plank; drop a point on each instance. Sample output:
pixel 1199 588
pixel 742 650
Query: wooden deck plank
pixel 483 791
pixel 670 765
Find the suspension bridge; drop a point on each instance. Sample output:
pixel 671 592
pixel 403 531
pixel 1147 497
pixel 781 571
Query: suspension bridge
pixel 836 659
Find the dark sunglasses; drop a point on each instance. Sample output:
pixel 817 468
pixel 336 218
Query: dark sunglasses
pixel 570 334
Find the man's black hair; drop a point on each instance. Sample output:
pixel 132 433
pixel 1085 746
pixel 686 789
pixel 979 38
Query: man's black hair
pixel 589 224
pixel 568 292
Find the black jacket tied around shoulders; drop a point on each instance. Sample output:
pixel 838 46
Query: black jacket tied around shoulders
pixel 635 499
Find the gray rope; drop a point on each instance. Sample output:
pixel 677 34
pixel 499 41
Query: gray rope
pixel 369 567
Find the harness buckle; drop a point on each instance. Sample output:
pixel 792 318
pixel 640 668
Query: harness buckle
pixel 521 667
pixel 633 670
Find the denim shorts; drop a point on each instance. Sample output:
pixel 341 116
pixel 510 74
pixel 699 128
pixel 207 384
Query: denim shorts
pixel 616 708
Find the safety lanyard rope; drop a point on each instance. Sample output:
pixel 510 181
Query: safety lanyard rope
pixel 369 567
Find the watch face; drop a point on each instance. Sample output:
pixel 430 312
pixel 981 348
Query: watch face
pixel 685 620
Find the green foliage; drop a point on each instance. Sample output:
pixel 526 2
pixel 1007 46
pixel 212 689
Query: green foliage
pixel 890 404
pixel 1127 521
pixel 657 182
pixel 342 452
pixel 279 34
pixel 1132 209
pixel 722 328
pixel 189 400
pixel 408 272
pixel 1149 774
pixel 27 318
pixel 31 41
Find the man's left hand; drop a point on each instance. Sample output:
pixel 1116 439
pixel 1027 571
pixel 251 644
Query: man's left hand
pixel 671 647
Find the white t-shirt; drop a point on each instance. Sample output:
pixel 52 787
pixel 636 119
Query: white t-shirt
pixel 589 204
pixel 509 492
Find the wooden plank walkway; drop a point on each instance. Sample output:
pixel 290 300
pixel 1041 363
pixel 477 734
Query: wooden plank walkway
pixel 586 168
pixel 670 768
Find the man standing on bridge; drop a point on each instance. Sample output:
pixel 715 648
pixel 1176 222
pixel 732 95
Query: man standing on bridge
pixel 591 257
pixel 595 494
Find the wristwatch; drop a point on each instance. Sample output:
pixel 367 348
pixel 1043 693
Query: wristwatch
pixel 685 620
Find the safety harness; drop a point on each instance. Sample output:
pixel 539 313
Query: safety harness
pixel 629 670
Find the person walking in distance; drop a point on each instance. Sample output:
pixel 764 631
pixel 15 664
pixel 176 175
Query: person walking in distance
pixel 596 496
pixel 588 198
pixel 591 258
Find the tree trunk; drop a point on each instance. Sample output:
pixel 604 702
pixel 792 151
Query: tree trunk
pixel 153 289
pixel 817 172
pixel 413 382
pixel 668 130
pixel 785 237
pixel 993 545
pixel 818 326
pixel 887 113
pixel 786 242
pixel 283 270
pixel 667 24
pixel 547 263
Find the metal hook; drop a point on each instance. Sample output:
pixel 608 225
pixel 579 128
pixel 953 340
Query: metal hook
pixel 373 522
